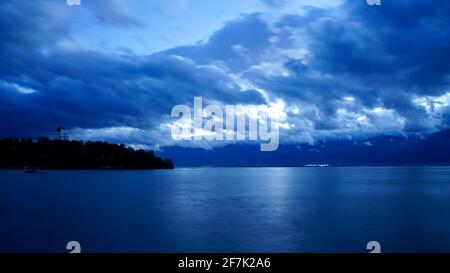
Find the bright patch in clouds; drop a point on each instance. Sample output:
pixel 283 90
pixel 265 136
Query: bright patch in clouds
pixel 17 87
pixel 434 105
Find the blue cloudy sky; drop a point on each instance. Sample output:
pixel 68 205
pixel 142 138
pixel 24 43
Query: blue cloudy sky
pixel 113 69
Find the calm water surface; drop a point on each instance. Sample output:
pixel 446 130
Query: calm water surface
pixel 227 210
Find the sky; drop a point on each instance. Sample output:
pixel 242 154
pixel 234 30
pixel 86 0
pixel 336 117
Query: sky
pixel 113 69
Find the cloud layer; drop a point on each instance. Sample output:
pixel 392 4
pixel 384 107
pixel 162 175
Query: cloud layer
pixel 351 70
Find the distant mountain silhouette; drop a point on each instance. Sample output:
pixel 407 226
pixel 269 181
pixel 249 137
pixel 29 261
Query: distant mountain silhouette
pixel 382 150
pixel 64 154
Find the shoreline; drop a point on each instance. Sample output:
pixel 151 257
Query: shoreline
pixel 219 167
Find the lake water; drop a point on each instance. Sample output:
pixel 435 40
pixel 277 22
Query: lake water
pixel 406 209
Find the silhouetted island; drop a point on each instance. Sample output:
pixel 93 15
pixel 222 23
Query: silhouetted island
pixel 45 153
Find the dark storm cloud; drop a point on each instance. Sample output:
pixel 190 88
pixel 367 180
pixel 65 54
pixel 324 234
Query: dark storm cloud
pixel 89 89
pixel 404 41
pixel 398 50
pixel 238 44
pixel 383 56
pixel 350 69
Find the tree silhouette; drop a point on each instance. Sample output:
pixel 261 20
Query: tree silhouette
pixel 65 154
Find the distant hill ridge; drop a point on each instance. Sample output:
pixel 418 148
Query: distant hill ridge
pixel 382 150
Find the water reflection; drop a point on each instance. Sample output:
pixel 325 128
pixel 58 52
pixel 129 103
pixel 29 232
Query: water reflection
pixel 228 209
